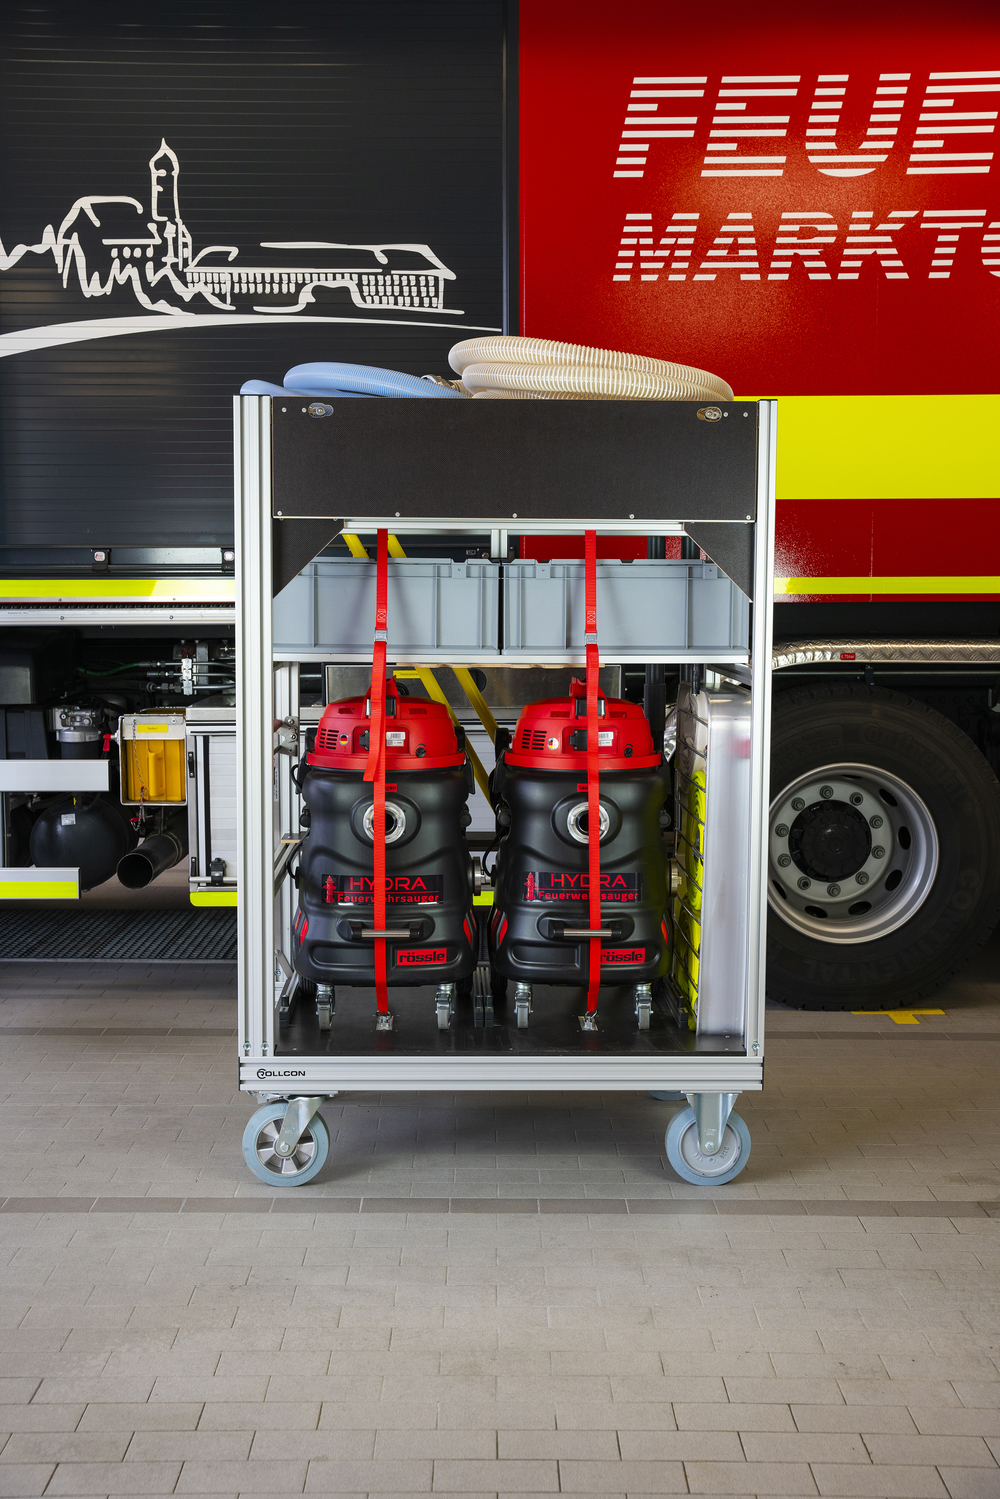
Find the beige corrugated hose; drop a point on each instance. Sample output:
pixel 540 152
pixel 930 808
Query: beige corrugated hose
pixel 505 367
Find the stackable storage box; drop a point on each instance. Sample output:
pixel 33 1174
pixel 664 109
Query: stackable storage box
pixel 646 609
pixel 441 610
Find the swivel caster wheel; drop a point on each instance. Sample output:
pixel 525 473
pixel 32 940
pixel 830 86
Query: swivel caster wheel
pixel 444 1005
pixel 522 1005
pixel 643 1005
pixel 325 1000
pixel 306 1160
pixel 689 1161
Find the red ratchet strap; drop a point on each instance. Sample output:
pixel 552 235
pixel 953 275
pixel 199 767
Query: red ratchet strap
pixel 593 777
pixel 375 768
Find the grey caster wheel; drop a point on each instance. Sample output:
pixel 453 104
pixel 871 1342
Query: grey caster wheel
pixel 325 1005
pixel 306 1160
pixel 692 1165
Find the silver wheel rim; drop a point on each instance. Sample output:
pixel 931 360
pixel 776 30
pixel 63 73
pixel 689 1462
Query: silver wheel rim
pixel 725 1157
pixel 283 1165
pixel 852 853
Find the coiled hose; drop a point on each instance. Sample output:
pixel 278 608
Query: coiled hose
pixel 540 369
pixel 334 379
pixel 503 367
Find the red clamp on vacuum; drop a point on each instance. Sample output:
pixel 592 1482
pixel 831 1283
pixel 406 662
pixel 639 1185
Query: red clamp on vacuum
pixel 588 1021
pixel 375 772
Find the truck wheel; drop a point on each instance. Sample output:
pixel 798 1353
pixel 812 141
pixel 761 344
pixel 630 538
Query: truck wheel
pixel 882 871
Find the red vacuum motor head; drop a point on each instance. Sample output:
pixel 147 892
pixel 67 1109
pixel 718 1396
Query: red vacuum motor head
pixel 419 735
pixel 552 735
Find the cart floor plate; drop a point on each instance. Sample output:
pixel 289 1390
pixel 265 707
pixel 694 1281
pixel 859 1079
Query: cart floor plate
pixel 553 1030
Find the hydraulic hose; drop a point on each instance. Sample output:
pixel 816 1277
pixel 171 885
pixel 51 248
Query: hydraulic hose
pixel 508 367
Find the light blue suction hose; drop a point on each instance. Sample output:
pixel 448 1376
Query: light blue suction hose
pixel 266 388
pixel 331 378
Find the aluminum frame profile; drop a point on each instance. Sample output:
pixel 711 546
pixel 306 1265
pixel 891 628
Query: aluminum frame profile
pixel 258 790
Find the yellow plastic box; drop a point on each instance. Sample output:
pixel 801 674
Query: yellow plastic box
pixel 153 764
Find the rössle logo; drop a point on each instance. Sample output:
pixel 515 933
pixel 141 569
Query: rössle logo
pixel 412 957
pixel 618 955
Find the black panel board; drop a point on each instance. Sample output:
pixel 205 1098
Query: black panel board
pixel 357 123
pixel 605 461
pixel 730 546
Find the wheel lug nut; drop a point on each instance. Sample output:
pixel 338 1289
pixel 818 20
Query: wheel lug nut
pixel 784 860
pixel 833 889
pixel 804 884
pixel 826 792
pixel 861 878
pixel 856 798
pixel 878 852
pixel 781 831
pixel 798 804
pixel 875 822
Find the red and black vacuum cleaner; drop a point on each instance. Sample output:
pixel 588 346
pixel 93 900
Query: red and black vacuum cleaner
pixel 386 880
pixel 581 876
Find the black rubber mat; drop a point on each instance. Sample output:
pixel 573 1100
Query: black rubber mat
pixel 145 936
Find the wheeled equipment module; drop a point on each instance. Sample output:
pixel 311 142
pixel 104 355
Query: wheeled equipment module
pixel 481 701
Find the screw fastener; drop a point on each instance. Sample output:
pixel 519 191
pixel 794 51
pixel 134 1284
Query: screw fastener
pixel 878 852
pixel 804 884
pixel 856 798
pixel 781 831
pixel 826 792
pixel 798 804
pixel 784 860
pixel 833 889
pixel 874 822
pixel 861 878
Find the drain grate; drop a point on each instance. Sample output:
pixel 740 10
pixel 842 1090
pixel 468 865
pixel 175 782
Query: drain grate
pixel 146 936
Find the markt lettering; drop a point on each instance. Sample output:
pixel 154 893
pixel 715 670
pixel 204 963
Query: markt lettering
pixel 906 243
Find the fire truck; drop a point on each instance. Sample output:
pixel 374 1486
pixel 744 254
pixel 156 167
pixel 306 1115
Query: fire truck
pixel 806 206
pixel 810 207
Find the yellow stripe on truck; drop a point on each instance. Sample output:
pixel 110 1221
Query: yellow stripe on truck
pixel 144 590
pixel 786 587
pixel 888 448
pixel 39 890
pixel 213 897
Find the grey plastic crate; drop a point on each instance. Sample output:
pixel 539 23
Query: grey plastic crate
pixel 644 609
pixel 439 610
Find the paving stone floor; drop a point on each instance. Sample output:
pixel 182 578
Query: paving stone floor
pixel 493 1295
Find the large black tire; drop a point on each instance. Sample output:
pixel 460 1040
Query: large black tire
pixel 823 726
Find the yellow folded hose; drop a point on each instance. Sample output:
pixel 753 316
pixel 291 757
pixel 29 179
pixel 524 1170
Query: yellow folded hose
pixel 543 369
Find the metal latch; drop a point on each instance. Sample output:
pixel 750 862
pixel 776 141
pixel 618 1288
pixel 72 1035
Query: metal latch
pixel 286 737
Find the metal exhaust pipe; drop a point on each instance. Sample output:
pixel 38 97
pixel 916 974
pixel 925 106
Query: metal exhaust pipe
pixel 153 856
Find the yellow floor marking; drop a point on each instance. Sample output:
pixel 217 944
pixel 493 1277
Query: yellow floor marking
pixel 900 1017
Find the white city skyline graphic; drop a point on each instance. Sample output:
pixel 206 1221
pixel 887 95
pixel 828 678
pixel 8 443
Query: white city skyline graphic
pixel 109 242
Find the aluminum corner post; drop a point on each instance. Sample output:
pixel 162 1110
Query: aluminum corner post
pixel 254 722
pixel 760 721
